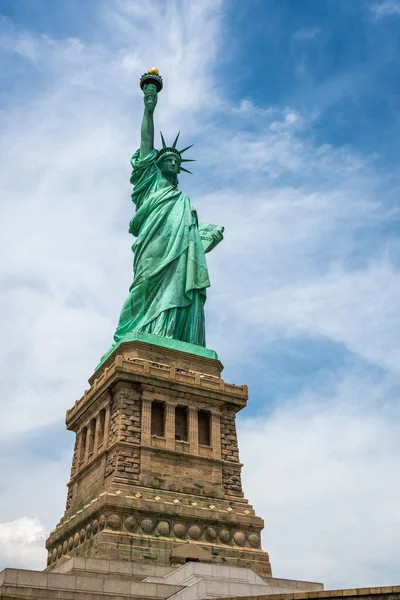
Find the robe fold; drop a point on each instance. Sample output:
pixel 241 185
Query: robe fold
pixel 168 292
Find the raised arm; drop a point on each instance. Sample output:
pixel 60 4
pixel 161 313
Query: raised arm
pixel 147 131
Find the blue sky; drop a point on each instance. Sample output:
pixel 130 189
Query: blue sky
pixel 292 106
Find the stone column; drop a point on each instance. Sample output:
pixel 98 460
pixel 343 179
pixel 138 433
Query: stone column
pixel 146 422
pixel 170 425
pixel 216 434
pixel 107 425
pixel 86 457
pixel 92 436
pixel 80 449
pixel 117 416
pixel 193 430
pixel 75 457
pixel 96 435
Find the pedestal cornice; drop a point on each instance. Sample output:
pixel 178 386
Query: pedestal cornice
pixel 139 370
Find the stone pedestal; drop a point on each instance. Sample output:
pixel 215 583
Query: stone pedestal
pixel 156 477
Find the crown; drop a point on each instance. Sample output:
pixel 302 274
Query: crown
pixel 173 150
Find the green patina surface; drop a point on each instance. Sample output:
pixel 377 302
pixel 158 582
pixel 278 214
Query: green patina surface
pixel 168 292
pixel 157 340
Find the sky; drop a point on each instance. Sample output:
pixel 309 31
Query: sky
pixel 293 109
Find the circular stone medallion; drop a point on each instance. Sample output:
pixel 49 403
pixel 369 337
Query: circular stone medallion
pixel 95 526
pixel 83 535
pixel 114 521
pixel 130 523
pixel 102 522
pixel 54 554
pixel 225 536
pixel 89 529
pixel 210 534
pixel 163 527
pixel 76 539
pixel 70 543
pixel 147 525
pixel 254 540
pixel 195 532
pixel 239 538
pixel 65 547
pixel 179 530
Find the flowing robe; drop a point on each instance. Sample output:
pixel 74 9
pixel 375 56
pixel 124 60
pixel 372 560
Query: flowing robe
pixel 168 292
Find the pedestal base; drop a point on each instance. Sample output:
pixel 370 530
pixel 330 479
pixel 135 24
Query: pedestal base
pixel 81 579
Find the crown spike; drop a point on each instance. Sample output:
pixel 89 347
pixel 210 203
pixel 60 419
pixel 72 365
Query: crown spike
pixel 188 160
pixel 164 145
pixel 186 170
pixel 187 148
pixel 176 139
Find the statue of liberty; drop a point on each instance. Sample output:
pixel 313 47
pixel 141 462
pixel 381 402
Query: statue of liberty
pixel 168 292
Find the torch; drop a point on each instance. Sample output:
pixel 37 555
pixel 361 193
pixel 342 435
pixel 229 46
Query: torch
pixel 152 76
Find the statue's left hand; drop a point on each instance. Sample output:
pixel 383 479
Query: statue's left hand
pixel 211 235
pixel 218 236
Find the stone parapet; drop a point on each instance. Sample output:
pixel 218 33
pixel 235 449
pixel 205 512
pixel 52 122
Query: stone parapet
pixel 180 355
pixel 147 371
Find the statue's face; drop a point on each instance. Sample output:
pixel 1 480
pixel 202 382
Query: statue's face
pixel 170 165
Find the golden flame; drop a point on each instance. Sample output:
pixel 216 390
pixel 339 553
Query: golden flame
pixel 154 71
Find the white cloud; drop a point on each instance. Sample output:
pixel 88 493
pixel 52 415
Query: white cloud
pixel 356 308
pixel 278 142
pixel 246 108
pixel 36 473
pixel 321 470
pixel 22 542
pixel 292 120
pixel 385 9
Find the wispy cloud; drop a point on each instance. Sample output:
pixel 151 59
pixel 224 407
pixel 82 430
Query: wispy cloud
pixel 356 308
pixel 76 186
pixel 306 35
pixel 388 8
pixel 327 486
